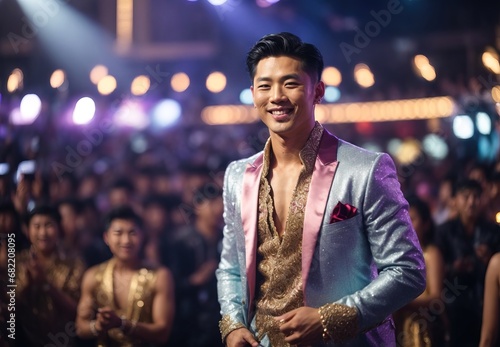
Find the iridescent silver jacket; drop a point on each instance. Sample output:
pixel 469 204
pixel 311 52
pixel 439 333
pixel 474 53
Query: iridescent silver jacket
pixel 372 261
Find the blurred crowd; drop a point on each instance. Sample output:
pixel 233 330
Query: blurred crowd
pixel 173 180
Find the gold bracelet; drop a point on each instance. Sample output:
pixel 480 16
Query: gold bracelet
pixel 326 335
pixel 93 329
pixel 339 322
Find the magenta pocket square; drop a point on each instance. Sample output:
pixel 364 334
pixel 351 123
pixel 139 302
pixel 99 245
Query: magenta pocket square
pixel 342 212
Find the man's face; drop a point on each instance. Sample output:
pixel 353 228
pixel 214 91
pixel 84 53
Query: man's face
pixel 468 203
pixel 284 95
pixel 43 233
pixel 124 239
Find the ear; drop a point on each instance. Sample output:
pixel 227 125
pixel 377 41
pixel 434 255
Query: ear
pixel 319 92
pixel 105 238
pixel 253 98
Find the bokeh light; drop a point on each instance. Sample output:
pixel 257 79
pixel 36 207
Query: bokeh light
pixel 246 97
pixel 331 76
pixel 140 85
pixel 216 82
pixel 463 127
pixel 97 73
pixel 84 111
pixel 15 81
pixel 165 113
pixel 483 123
pixel 363 76
pixel 106 85
pixel 180 82
pixel 30 107
pixel 57 79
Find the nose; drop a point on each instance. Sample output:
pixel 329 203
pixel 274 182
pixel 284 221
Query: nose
pixel 277 94
pixel 125 239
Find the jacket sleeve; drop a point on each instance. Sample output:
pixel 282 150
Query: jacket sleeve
pixel 397 255
pixel 229 281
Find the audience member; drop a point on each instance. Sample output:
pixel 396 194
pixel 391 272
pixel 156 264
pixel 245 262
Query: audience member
pixel 467 243
pixel 48 283
pixel 125 302
pixel 410 329
pixel 491 310
pixel 195 256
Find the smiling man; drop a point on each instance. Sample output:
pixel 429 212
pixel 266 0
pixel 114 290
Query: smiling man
pixel 48 283
pixel 318 244
pixel 124 302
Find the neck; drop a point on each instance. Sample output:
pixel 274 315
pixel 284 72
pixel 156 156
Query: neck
pixel 127 265
pixel 286 149
pixel 42 257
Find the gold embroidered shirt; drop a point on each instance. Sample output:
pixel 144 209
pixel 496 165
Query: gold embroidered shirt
pixel 279 258
pixel 38 316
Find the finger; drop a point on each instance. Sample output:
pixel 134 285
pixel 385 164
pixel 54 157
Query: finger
pixel 285 317
pixel 250 339
pixel 242 337
pixel 105 310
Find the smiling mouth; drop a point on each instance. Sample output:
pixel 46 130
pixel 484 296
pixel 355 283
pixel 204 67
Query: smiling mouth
pixel 280 114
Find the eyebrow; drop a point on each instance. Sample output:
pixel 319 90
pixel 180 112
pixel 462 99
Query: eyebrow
pixel 123 229
pixel 282 78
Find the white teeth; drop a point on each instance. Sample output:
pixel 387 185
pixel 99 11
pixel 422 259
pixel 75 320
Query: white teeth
pixel 278 112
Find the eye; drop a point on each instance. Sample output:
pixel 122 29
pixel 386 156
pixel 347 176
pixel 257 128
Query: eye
pixel 291 84
pixel 263 86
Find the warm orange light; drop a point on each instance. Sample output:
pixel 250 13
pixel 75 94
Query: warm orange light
pixel 377 111
pixel 331 76
pixel 216 82
pixel 180 82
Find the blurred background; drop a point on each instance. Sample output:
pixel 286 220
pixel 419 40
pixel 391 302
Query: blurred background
pixel 93 86
pixel 145 102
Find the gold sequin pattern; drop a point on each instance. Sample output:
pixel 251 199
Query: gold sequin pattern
pixel 340 322
pixel 38 315
pixel 281 257
pixel 226 325
pixel 140 296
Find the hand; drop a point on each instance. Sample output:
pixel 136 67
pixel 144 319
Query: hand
pixel 241 337
pixel 107 319
pixel 36 274
pixel 20 197
pixel 302 326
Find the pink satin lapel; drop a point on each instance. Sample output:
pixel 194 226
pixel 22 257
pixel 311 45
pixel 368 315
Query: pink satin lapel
pixel 321 181
pixel 249 210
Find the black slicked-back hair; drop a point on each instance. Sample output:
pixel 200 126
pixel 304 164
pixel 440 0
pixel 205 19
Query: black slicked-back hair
pixel 289 45
pixel 122 212
pixel 43 209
